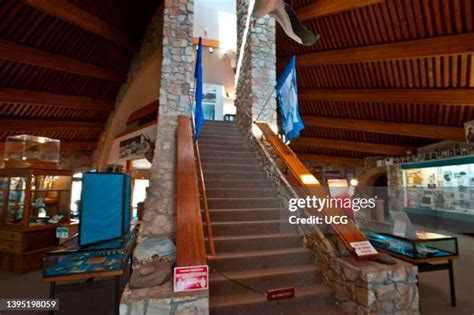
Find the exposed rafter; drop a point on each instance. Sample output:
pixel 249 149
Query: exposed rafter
pixel 374 148
pixel 327 7
pixel 421 96
pixel 66 145
pixel 80 18
pixel 32 56
pixel 327 159
pixel 384 127
pixel 47 99
pixel 438 46
pixel 49 125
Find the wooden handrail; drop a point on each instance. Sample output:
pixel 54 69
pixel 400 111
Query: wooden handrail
pixel 189 228
pixel 210 237
pixel 347 233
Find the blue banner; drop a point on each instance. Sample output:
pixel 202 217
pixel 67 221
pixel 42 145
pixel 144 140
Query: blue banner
pixel 199 114
pixel 287 95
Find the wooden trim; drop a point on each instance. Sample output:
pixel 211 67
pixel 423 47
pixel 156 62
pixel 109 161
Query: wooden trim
pixel 347 233
pixel 391 128
pixel 375 148
pixel 421 96
pixel 189 228
pixel 330 159
pixel 438 46
pixel 47 99
pixel 151 123
pixel 49 125
pixel 322 8
pixel 207 42
pixel 70 13
pixel 32 56
pixel 146 110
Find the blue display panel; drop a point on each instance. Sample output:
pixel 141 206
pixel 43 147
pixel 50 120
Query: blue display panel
pixel 105 207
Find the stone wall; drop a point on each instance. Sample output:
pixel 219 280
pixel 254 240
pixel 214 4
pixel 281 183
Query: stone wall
pixel 176 80
pixel 257 80
pixel 160 213
pixel 396 188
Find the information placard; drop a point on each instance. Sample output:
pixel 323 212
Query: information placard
pixel 364 248
pixel 191 278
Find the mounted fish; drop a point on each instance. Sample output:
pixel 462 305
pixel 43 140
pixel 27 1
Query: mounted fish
pixel 287 18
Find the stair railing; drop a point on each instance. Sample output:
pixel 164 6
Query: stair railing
pixel 191 250
pixel 347 233
pixel 210 237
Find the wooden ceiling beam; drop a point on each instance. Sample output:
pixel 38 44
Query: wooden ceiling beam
pixel 32 56
pixel 421 96
pixel 48 125
pixel 74 15
pixel 330 159
pixel 438 46
pixel 375 148
pixel 322 8
pixel 47 99
pixel 384 127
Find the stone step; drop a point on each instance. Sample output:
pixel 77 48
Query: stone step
pixel 256 242
pixel 206 153
pixel 262 279
pixel 231 167
pixel 261 259
pixel 248 227
pixel 243 203
pixel 314 299
pixel 240 192
pixel 226 215
pixel 237 183
pixel 212 175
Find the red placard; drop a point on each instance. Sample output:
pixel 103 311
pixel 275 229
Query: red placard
pixel 191 278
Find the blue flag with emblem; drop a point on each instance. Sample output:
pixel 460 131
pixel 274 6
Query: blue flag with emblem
pixel 287 95
pixel 199 120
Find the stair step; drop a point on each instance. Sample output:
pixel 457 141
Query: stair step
pixel 223 147
pixel 237 183
pixel 262 279
pixel 243 203
pixel 226 142
pixel 222 131
pixel 257 242
pixel 231 167
pixel 220 215
pixel 240 192
pixel 229 160
pixel 220 123
pixel 208 175
pixel 261 259
pixel 207 153
pixel 217 137
pixel 314 299
pixel 249 227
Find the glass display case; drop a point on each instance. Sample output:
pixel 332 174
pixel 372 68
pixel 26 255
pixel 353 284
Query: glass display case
pixel 31 148
pixel 71 259
pixel 426 246
pixel 33 202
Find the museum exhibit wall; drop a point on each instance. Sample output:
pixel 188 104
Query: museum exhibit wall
pixel 142 87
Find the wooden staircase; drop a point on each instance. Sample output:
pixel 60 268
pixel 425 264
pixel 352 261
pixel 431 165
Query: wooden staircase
pixel 256 248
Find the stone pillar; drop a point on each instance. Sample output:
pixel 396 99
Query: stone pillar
pixel 176 80
pixel 257 78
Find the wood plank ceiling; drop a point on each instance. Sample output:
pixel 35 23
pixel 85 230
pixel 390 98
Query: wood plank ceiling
pixel 387 76
pixel 62 64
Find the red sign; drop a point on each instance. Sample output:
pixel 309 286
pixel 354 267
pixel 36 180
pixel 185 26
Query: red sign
pixel 191 278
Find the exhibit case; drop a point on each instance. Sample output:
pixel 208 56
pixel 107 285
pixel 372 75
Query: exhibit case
pixel 32 148
pixel 441 193
pixel 422 247
pixel 104 257
pixel 33 201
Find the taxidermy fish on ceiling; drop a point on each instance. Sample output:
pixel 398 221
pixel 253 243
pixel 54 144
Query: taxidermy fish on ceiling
pixel 287 18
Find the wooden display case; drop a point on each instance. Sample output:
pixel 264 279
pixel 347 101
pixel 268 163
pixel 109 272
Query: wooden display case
pixel 30 198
